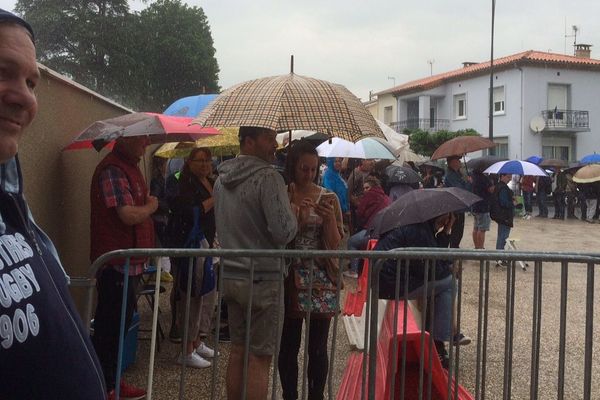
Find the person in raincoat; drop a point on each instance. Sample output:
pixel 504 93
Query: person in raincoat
pixel 333 180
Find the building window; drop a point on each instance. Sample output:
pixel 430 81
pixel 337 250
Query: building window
pixel 460 106
pixel 387 115
pixel 499 100
pixel 560 152
pixel 501 149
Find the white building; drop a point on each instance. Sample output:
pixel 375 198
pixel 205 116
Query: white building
pixel 544 104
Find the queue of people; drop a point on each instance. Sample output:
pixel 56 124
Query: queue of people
pixel 249 205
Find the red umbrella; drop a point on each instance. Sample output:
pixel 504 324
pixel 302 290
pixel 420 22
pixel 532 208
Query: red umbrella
pixel 159 128
pixel 461 145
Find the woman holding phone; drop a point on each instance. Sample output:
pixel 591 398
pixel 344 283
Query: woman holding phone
pixel 320 227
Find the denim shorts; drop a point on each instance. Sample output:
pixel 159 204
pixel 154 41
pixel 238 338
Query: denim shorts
pixel 482 221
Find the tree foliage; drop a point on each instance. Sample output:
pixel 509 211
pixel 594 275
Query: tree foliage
pixel 145 60
pixel 425 143
pixel 177 51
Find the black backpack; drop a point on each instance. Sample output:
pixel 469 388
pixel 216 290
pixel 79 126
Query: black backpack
pixel 498 213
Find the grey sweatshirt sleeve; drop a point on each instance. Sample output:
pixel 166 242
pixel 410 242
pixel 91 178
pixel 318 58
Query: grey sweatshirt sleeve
pixel 281 222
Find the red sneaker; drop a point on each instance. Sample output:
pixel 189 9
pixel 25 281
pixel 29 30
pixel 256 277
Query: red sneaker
pixel 128 392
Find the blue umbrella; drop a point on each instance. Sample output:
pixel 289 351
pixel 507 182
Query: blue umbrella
pixel 516 167
pixel 190 106
pixel 591 159
pixel 534 159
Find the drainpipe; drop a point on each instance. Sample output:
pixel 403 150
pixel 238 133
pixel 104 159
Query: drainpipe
pixel 492 151
pixel 522 112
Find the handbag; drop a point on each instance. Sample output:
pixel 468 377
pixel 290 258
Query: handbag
pixel 203 281
pixel 321 301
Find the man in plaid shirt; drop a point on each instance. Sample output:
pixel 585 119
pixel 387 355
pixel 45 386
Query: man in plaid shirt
pixel 121 209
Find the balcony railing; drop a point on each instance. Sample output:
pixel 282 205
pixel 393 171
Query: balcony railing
pixel 425 124
pixel 567 120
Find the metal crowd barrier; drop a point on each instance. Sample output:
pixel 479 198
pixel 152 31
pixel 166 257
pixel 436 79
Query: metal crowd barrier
pixel 480 385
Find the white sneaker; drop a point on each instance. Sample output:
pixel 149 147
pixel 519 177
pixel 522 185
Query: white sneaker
pixel 193 360
pixel 205 351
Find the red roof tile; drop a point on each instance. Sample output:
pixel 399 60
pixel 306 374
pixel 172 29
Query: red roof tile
pixel 529 57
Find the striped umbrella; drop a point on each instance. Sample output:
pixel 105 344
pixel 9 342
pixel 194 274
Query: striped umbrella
pixel 516 167
pixel 289 102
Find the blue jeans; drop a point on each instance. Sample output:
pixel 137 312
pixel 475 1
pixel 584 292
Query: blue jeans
pixel 541 200
pixel 358 241
pixel 503 233
pixel 442 301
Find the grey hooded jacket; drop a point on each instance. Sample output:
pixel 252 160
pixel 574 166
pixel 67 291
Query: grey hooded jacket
pixel 252 211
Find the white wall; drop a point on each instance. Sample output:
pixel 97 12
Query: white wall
pixel 584 96
pixel 525 96
pixel 386 100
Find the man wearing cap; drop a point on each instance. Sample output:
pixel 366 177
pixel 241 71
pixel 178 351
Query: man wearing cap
pixel 121 209
pixel 45 352
pixel 454 178
pixel 252 211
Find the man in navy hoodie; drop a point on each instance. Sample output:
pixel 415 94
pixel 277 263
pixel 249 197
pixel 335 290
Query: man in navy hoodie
pixel 45 353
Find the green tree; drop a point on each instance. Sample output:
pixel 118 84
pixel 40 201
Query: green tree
pixel 176 54
pixel 76 37
pixel 143 60
pixel 425 143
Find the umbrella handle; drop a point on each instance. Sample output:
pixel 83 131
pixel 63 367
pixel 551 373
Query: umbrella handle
pixel 466 166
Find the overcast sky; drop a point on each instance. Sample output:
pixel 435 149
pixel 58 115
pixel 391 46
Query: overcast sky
pixel 361 43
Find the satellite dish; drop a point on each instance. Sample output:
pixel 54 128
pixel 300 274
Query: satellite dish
pixel 537 124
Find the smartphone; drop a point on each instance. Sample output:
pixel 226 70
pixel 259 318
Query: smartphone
pixel 327 199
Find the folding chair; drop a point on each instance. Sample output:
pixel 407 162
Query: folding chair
pixel 147 292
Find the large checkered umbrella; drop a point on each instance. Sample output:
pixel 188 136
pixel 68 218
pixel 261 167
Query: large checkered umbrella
pixel 289 102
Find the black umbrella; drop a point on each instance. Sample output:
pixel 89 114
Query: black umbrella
pixel 404 175
pixel 573 167
pixel 434 165
pixel 482 163
pixel 420 206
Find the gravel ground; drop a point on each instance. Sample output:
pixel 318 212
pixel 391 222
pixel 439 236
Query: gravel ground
pixel 536 235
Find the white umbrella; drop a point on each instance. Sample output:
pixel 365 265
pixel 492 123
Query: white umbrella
pixel 517 167
pixel 366 149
